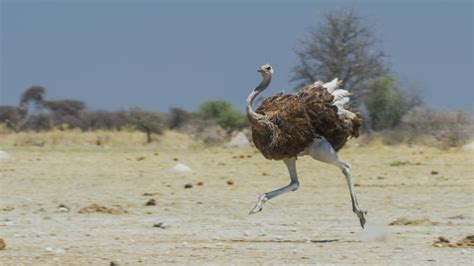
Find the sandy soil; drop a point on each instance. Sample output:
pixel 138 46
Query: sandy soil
pixel 42 190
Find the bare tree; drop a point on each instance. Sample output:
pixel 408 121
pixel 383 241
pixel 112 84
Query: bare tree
pixel 344 47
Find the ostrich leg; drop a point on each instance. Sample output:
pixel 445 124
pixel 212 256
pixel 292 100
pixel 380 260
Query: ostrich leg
pixel 323 151
pixel 294 184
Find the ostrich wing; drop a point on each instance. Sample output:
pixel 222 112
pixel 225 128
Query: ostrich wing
pixel 291 132
pixel 324 117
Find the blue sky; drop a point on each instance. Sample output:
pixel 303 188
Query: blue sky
pixel 159 54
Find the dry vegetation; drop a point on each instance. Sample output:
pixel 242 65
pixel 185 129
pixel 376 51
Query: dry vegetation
pixel 71 197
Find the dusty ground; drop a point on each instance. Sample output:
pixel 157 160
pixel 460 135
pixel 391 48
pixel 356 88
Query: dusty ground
pixel 210 223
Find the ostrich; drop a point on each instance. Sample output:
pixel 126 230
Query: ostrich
pixel 312 122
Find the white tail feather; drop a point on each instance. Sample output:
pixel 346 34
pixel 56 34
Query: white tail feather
pixel 341 102
pixel 332 85
pixel 345 114
pixel 341 98
pixel 340 94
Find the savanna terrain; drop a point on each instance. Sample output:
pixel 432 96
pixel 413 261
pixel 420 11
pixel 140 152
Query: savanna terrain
pixel 70 198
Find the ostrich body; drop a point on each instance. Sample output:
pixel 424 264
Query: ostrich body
pixel 311 122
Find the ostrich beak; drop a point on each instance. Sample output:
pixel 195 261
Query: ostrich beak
pixel 259 70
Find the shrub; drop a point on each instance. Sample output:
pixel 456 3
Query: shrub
pixel 177 117
pixel 221 112
pixel 145 121
pixel 386 104
pixel 449 129
pixel 206 131
pixel 95 120
pixel 39 122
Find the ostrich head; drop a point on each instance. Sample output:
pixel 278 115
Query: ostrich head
pixel 265 70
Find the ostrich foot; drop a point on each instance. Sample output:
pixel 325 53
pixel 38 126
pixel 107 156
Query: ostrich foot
pixel 361 214
pixel 258 207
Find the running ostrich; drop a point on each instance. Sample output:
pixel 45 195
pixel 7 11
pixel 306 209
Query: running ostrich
pixel 311 122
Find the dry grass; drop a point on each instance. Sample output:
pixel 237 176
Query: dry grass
pixel 74 139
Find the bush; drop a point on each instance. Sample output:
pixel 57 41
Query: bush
pixel 12 116
pixel 178 117
pixel 39 122
pixel 449 129
pixel 145 121
pixel 386 104
pixel 65 107
pixel 206 131
pixel 94 120
pixel 221 112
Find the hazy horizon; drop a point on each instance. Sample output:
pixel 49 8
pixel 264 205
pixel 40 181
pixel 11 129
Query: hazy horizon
pixel 159 54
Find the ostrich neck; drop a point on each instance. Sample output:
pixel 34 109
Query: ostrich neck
pixel 261 87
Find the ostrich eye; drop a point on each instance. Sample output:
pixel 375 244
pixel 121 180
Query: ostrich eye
pixel 268 68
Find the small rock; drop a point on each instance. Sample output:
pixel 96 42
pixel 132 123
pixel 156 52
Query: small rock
pixel 181 168
pixel 293 230
pixel 140 158
pixel 3 155
pixel 200 183
pixel 2 244
pixel 151 202
pixel 469 146
pixel 278 237
pixel 307 239
pixel 245 233
pixel 114 263
pixel 262 232
pixel 460 216
pixel 443 239
pixel 239 141
pixel 59 251
pixel 188 186
pixel 434 172
pixel 161 225
pixel 219 244
pixel 230 182
pixel 63 208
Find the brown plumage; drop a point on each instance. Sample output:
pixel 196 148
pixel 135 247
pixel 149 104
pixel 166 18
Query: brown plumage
pixel 290 122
